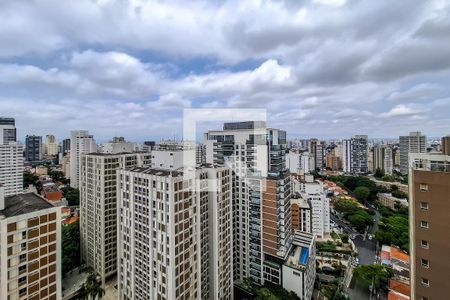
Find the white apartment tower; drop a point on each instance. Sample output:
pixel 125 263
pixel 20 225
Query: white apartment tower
pixel 81 142
pixel 262 232
pixel 388 160
pixel 175 234
pixel 98 207
pixel 11 168
pixel 51 147
pixel 7 131
pixel 11 158
pixel 413 143
pixel 313 195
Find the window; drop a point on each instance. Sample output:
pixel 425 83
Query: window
pixel 425 263
pixel 424 224
pixel 423 187
pixel 425 282
pixel 424 205
pixel 424 244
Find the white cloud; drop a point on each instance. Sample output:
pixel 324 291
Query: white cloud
pixel 133 65
pixel 401 111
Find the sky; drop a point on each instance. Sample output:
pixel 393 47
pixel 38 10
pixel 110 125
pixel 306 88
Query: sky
pixel 321 68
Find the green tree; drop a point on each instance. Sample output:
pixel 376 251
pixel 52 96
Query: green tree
pixel 394 230
pixel 373 275
pixel 265 294
pixel 360 220
pixel 70 244
pixel 378 173
pixel 72 195
pixel 94 287
pixel 362 193
pixel 29 179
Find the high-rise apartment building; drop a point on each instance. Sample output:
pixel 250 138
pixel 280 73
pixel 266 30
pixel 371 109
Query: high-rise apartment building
pixel 415 142
pixel 317 150
pixel 175 234
pixel 388 160
pixel 200 154
pixel 11 168
pixel 355 155
pixel 378 153
pixel 8 132
pixel 65 146
pixel 98 207
pixel 168 155
pixel 52 148
pixel 262 232
pixel 81 142
pixel 301 214
pixel 429 202
pixel 333 161
pixel 313 193
pixel 116 145
pixel 30 248
pixel 33 148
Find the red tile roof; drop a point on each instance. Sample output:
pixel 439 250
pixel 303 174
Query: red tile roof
pixel 400 287
pixel 70 220
pixel 400 255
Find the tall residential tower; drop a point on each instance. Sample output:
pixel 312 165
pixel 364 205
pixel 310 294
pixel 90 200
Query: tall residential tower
pixel 429 189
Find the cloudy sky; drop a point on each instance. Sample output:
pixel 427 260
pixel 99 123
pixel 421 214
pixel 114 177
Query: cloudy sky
pixel 324 68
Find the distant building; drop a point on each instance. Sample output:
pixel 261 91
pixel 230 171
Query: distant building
pixel 355 155
pixel 33 148
pixel 386 199
pixel 117 145
pixel 333 162
pixel 429 183
pixel 65 145
pixel 148 146
pixel 30 243
pixel 8 132
pixel 81 142
pixel 317 150
pixel 11 168
pixel 388 160
pixel 52 148
pixel 300 162
pixel 415 142
pixel 200 154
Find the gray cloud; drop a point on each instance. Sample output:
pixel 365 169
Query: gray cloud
pixel 328 67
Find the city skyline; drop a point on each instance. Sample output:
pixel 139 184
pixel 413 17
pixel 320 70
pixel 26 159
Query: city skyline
pixel 321 68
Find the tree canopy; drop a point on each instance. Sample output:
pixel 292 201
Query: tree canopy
pixel 362 193
pixel 375 275
pixel 70 243
pixel 358 217
pixel 72 195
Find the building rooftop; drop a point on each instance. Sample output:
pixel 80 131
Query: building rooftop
pixel 70 220
pixel 22 204
pixel 400 287
pixel 300 252
pixel 155 171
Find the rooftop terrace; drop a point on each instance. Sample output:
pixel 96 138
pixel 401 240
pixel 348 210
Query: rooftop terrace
pixel 22 204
